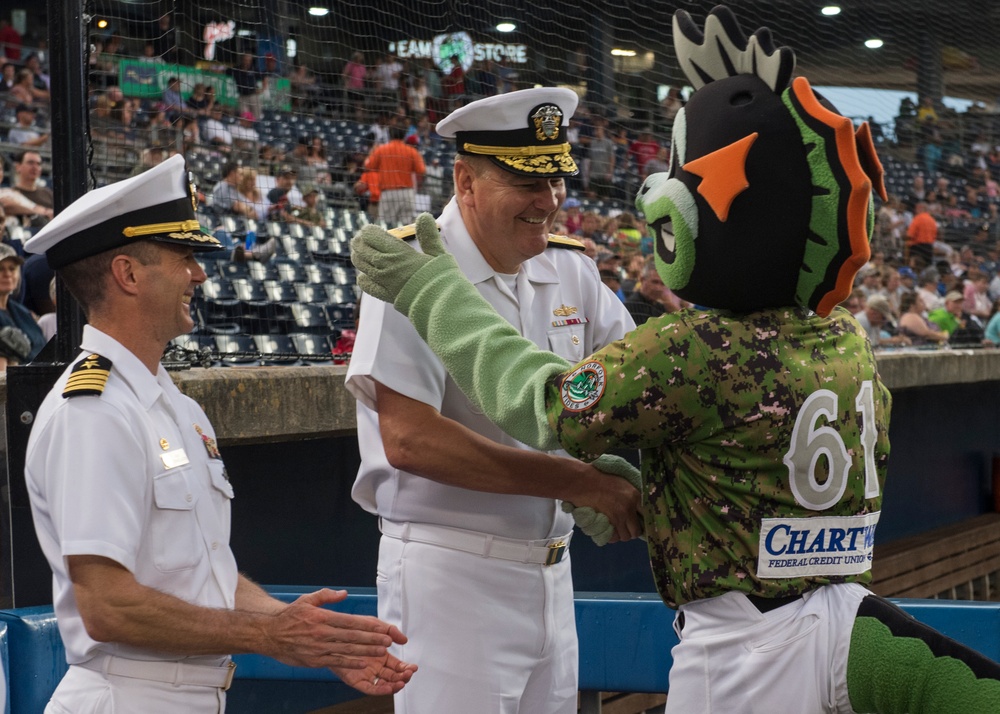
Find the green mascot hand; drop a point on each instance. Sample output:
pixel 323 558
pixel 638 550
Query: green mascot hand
pixel 594 523
pixel 385 263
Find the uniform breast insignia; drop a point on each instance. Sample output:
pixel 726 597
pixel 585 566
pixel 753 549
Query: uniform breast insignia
pixel 210 446
pixel 88 377
pixel 567 311
pixel 556 241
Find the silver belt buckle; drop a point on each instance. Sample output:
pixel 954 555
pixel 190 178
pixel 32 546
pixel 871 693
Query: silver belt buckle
pixel 229 676
pixel 556 552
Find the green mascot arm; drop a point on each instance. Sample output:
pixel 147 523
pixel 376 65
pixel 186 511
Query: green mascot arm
pixel 505 375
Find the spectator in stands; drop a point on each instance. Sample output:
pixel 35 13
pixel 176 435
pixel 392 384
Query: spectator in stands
pixel 609 265
pixel 386 76
pixel 914 324
pixel 279 198
pixel 13 313
pixel 642 150
pixel 601 161
pixel 255 205
pixel 992 333
pixel 226 197
pixel 400 169
pixel 354 75
pixel 890 226
pixel 24 132
pixel 248 81
pixel 172 102
pixel 216 131
pixel 244 135
pixel 453 84
pixel 28 169
pixel 149 157
pixel 40 77
pixel 921 235
pixel 876 319
pixel 976 300
pixel 574 217
pixel 416 97
pixel 123 123
pixel 378 133
pixel 200 101
pixel 10 40
pixel 309 214
pixel 17 204
pixel 47 323
pixel 164 38
pixel 627 239
pixel 24 90
pixel 304 88
pixel 659 163
pixel 651 298
pixel 951 317
pixel 8 78
pixel 590 224
pixel 317 160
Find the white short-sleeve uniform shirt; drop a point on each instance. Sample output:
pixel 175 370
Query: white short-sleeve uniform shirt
pixel 133 475
pixel 556 300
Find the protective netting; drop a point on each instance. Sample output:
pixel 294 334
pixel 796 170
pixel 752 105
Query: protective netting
pixel 284 99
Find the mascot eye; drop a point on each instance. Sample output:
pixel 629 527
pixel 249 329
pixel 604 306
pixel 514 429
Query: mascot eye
pixel 723 175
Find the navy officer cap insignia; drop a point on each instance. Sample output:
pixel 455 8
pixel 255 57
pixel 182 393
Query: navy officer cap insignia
pixel 88 377
pixel 523 132
pixel 157 204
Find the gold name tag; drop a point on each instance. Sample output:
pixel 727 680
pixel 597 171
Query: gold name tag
pixel 173 459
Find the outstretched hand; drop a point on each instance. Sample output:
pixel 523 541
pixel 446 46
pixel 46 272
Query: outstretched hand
pixel 380 676
pixel 385 263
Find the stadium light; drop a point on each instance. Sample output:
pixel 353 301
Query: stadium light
pixel 622 53
pixel 874 43
pixel 102 23
pixel 831 10
pixel 317 11
pixel 506 26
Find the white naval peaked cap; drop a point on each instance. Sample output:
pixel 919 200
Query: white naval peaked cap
pixel 158 204
pixel 523 132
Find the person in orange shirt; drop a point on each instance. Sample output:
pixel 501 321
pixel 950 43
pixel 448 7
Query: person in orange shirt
pixel 921 235
pixel 400 168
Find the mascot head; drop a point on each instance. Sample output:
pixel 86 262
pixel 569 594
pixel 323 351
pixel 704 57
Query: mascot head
pixel 768 200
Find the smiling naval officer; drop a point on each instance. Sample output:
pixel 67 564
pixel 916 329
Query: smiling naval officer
pixel 129 492
pixel 451 488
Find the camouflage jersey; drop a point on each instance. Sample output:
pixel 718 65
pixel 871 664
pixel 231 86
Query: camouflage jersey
pixel 764 444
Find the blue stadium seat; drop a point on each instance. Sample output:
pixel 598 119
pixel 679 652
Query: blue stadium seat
pixel 310 318
pixel 276 350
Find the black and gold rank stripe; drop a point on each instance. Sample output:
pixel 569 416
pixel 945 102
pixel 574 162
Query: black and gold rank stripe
pixel 88 377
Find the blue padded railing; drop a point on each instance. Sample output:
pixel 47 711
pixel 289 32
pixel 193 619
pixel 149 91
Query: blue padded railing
pixel 625 643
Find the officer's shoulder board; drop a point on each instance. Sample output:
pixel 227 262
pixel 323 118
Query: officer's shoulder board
pixel 89 376
pixel 557 241
pixel 404 232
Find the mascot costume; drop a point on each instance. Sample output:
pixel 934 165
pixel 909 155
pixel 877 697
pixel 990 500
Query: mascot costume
pixel 760 414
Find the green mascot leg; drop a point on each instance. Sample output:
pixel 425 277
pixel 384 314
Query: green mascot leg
pixel 900 666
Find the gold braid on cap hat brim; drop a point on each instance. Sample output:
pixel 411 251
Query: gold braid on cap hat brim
pixel 516 150
pixel 156 228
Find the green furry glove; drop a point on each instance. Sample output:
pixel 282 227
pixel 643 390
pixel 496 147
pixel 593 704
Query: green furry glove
pixel 385 263
pixel 594 523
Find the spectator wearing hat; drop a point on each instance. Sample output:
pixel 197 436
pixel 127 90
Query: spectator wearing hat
pixel 245 136
pixel 13 313
pixel 928 289
pixel 456 497
pixel 572 206
pixel 877 318
pixel 950 318
pixel 148 598
pixel 400 169
pixel 280 198
pixel 226 196
pixel 651 298
pixel 24 132
pixel 309 214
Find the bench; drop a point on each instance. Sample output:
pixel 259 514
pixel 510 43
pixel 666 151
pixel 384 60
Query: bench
pixel 960 561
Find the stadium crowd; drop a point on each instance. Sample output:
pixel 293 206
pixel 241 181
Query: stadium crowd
pixel 318 154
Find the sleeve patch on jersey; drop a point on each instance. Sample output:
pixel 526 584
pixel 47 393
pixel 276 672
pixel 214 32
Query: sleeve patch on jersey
pixel 583 387
pixel 556 241
pixel 88 377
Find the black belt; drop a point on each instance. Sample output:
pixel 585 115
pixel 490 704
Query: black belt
pixel 766 604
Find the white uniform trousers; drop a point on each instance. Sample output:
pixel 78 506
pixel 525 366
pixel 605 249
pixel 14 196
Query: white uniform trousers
pixel 84 691
pixel 490 636
pixel 791 660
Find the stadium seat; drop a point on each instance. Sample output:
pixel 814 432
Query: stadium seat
pixel 279 291
pixel 342 275
pixel 341 316
pixel 317 274
pixel 237 351
pixel 312 294
pixel 218 299
pixel 290 271
pixel 311 318
pixel 340 294
pixel 276 350
pixel 313 349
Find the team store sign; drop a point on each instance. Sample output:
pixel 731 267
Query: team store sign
pixel 443 48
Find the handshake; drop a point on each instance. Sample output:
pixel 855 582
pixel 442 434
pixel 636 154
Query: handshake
pixel 592 522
